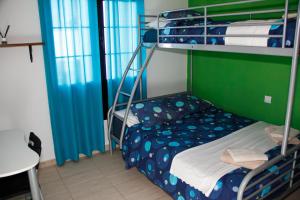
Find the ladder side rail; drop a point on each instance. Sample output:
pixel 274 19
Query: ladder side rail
pixel 136 83
pixel 292 86
pixel 108 133
pixel 140 53
pixel 113 109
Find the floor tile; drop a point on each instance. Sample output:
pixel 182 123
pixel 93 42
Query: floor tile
pixel 53 188
pixel 106 193
pixel 61 196
pixel 88 187
pixel 132 186
pixel 109 167
pixel 82 177
pixel 148 192
pixel 48 174
pixel 123 176
pixel 73 168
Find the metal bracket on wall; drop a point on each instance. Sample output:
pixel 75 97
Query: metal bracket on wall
pixel 29 44
pixel 30 53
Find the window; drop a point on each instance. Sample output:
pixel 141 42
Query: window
pixel 71 31
pixel 121 35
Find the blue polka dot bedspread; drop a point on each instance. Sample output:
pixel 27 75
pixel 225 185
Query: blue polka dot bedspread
pixel 151 35
pixel 152 148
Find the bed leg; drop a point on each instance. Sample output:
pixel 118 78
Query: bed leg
pixel 110 145
pixel 110 149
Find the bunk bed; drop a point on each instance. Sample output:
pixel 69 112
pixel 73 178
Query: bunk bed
pixel 151 132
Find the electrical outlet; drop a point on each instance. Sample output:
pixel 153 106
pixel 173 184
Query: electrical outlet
pixel 268 99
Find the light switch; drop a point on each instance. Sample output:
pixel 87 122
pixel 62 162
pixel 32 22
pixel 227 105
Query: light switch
pixel 268 99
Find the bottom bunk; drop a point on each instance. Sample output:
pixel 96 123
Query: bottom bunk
pixel 173 125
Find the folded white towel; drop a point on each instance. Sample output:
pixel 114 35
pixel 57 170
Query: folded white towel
pixel 278 132
pixel 290 15
pixel 246 155
pixel 225 157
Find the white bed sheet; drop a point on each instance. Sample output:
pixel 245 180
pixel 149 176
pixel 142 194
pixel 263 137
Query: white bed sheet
pixel 131 120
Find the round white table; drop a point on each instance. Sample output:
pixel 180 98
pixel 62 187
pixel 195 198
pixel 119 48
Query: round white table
pixel 16 157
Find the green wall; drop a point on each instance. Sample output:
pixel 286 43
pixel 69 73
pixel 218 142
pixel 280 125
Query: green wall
pixel 239 82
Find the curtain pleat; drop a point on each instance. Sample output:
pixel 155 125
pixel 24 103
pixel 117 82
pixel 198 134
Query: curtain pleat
pixel 72 67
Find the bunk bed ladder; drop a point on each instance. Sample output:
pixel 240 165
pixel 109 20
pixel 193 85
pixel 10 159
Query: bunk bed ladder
pixel 111 113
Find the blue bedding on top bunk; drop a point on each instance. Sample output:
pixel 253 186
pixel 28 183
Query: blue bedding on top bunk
pixel 152 149
pixel 151 35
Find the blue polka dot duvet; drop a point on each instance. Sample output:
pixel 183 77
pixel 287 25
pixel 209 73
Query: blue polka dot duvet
pixel 150 147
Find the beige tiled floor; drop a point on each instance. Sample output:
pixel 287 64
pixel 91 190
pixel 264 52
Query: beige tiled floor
pixel 102 177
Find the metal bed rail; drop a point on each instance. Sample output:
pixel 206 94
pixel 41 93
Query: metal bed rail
pixel 222 25
pixel 205 14
pixel 290 161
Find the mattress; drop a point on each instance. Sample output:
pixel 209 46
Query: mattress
pixel 151 35
pixel 151 151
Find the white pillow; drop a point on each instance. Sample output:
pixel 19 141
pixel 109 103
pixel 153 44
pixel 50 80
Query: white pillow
pixel 291 15
pixel 153 24
pixel 131 120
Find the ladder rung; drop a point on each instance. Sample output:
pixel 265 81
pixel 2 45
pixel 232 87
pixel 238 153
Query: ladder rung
pixel 125 94
pixel 135 70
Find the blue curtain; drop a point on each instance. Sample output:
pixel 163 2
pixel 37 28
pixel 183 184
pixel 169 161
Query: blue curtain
pixel 72 66
pixel 121 39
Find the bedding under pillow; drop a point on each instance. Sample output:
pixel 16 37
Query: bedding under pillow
pixel 164 110
pixel 154 112
pixel 184 104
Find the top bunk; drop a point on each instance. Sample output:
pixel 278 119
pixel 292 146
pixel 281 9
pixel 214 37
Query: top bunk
pixel 256 27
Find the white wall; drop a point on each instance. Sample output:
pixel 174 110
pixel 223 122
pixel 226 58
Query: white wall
pixel 23 100
pixel 157 6
pixel 167 72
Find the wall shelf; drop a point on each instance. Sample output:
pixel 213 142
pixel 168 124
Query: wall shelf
pixel 25 44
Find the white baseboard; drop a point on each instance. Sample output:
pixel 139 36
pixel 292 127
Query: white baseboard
pixel 51 163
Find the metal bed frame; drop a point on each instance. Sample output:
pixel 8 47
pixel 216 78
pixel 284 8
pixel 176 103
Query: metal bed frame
pixel 247 182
